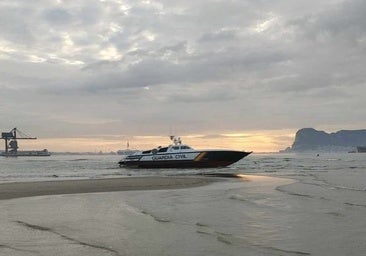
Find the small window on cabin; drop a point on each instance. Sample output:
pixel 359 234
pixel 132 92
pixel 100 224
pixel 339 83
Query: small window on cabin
pixel 185 147
pixel 163 149
pixel 146 152
pixel 175 147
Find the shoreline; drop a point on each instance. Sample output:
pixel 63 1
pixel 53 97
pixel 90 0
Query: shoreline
pixel 44 188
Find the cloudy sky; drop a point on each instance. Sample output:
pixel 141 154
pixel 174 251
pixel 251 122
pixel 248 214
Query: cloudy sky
pixel 246 74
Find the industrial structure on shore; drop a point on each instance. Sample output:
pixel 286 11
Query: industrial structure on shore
pixel 11 144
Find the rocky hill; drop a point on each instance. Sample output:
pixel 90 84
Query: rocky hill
pixel 309 139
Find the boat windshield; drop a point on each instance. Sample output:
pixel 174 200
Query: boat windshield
pixel 163 149
pixel 181 147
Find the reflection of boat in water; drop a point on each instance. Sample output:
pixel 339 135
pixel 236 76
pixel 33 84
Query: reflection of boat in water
pixel 11 145
pixel 178 155
pixel 361 149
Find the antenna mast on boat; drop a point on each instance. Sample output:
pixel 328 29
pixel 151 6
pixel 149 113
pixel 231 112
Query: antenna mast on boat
pixel 176 140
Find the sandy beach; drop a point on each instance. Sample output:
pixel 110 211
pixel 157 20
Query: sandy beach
pixel 255 215
pixel 30 189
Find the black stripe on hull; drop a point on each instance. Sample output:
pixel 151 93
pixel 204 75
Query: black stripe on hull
pixel 210 159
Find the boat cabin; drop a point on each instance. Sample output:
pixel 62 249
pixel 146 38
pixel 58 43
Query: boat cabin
pixel 176 147
pixel 169 149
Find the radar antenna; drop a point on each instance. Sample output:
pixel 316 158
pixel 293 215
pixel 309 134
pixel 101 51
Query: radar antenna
pixel 176 140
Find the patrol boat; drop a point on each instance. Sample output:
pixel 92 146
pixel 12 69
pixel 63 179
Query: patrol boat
pixel 178 155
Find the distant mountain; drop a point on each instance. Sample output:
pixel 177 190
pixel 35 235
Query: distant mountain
pixel 309 139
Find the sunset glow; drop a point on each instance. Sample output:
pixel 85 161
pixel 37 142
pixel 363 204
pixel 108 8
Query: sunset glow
pixel 260 141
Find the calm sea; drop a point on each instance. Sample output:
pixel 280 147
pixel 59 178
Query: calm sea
pixel 57 167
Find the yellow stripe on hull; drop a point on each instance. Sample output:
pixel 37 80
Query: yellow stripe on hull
pixel 200 156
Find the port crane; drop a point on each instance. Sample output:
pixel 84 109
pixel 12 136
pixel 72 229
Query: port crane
pixel 11 141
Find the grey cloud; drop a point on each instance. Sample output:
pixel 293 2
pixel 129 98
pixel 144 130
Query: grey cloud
pixel 58 16
pixel 205 68
pixel 177 61
pixel 178 47
pixel 90 13
pixel 348 19
pixel 218 36
pixel 14 25
pixel 345 21
pixel 76 13
pixel 145 73
pixel 193 96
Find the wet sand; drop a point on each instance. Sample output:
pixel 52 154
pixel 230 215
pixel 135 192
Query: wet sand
pixel 42 188
pixel 257 215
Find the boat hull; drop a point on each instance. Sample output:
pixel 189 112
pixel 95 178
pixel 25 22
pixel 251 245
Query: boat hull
pixel 361 149
pixel 202 159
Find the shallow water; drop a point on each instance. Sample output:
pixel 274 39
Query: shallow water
pixel 99 166
pixel 292 205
